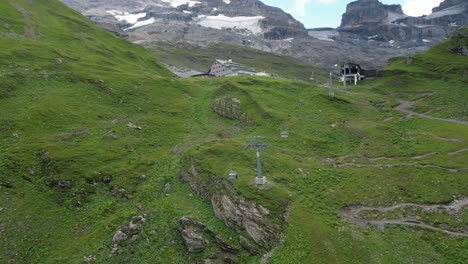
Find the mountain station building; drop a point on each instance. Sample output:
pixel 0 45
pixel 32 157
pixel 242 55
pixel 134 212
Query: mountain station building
pixel 230 68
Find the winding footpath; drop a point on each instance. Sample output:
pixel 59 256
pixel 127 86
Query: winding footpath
pixel 352 215
pixel 406 105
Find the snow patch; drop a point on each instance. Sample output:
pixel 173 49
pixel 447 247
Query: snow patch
pixel 227 2
pixel 372 37
pixel 125 16
pixel 391 42
pixel 426 41
pixel 289 39
pixel 142 23
pixel 221 21
pixel 453 24
pixel 177 3
pixel 187 12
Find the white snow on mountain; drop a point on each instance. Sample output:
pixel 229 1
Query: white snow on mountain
pixel 142 23
pixel 227 2
pixel 176 3
pixel 221 21
pixel 125 16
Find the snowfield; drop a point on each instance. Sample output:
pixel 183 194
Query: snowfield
pixel 242 22
pixel 125 16
pixel 177 3
pixel 142 23
pixel 131 18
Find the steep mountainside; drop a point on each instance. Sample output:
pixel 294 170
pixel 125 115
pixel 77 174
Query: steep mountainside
pixel 372 20
pixel 107 157
pixel 364 37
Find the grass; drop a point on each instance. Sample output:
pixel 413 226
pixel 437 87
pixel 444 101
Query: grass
pixel 70 157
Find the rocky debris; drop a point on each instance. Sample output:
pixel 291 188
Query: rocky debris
pixel 60 184
pixel 88 259
pixel 234 210
pixel 139 207
pixel 131 230
pixel 121 193
pixel 248 247
pixel 230 107
pixel 167 188
pixel 461 50
pixel 132 126
pixel 6 184
pixel 193 233
pixel 193 240
pixel 58 61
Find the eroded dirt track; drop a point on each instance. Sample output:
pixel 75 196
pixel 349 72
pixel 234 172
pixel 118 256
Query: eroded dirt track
pixel 352 215
pixel 405 107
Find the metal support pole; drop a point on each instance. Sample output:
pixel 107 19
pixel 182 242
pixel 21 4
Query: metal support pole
pixel 330 85
pixel 259 164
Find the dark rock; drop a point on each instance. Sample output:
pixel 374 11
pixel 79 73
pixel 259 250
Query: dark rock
pixel 193 240
pixel 131 230
pixel 167 187
pixel 248 247
pixel 60 184
pixel 6 184
pixel 230 108
pixel 234 210
pixel 118 237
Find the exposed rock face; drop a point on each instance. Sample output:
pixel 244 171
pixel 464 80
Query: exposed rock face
pixel 368 12
pixel 372 20
pixel 230 108
pixel 233 209
pixel 195 233
pixel 131 230
pixel 194 241
pixel 247 246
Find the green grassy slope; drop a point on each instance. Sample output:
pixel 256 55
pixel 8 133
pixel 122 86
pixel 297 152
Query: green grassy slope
pixel 438 71
pixel 71 164
pixel 201 58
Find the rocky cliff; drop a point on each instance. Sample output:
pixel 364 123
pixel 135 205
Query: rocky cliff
pixel 370 33
pixel 372 20
pixel 370 12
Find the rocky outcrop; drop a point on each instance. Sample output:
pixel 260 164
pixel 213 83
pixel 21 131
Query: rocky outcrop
pixel 193 240
pixel 370 20
pixel 370 12
pixel 130 231
pixel 230 108
pixel 196 234
pixel 244 216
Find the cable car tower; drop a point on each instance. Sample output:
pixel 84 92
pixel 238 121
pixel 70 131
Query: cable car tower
pixel 260 179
